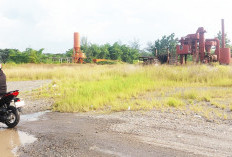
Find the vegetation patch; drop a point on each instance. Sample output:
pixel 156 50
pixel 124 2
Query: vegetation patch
pixel 119 87
pixel 174 102
pixel 106 62
pixel 192 94
pixel 218 105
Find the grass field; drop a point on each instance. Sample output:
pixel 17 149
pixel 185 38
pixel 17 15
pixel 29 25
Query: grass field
pixel 202 89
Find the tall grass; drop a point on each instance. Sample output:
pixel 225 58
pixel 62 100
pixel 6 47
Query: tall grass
pixel 100 87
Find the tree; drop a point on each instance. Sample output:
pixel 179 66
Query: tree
pixel 126 54
pixel 134 55
pixel 161 45
pixel 69 53
pixel 95 49
pixel 115 51
pixel 17 57
pixel 227 40
pixel 33 56
pixel 4 55
pixel 104 54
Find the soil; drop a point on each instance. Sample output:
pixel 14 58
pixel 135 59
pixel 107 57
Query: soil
pixel 130 133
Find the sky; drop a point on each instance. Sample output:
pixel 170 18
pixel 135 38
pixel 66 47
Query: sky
pixel 50 24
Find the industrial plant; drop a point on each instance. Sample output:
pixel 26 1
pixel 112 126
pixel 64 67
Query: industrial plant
pixel 200 48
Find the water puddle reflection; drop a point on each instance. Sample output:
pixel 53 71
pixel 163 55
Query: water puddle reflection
pixel 11 139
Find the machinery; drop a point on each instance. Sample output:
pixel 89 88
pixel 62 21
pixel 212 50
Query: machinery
pixel 200 48
pixel 78 55
pixel 99 60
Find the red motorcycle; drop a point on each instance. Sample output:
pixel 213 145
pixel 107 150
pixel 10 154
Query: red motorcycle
pixel 10 106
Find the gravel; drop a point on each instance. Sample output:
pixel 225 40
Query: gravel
pixel 130 133
pixel 25 87
pixel 187 133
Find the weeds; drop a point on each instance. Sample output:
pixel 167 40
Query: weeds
pixel 174 102
pixel 218 105
pixel 82 88
pixel 192 94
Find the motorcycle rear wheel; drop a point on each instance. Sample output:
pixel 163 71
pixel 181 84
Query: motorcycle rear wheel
pixel 12 117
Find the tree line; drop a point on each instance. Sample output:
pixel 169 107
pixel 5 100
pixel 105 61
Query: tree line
pixel 115 51
pixel 27 56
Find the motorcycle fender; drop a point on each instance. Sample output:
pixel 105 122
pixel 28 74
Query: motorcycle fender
pixel 19 104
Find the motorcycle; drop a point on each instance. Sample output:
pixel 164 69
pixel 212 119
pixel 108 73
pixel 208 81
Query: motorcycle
pixel 10 106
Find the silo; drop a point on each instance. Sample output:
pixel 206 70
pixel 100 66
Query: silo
pixel 224 52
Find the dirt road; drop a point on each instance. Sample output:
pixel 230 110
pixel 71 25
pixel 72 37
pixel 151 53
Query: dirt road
pixel 126 134
pixel 152 133
pixel 63 134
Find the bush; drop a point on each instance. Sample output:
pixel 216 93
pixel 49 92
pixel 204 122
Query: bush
pixel 106 62
pixel 135 61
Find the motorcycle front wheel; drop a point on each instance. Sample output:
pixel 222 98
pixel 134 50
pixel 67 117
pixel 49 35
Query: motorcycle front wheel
pixel 12 117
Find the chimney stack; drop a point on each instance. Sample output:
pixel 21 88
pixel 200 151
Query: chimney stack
pixel 223 34
pixel 76 40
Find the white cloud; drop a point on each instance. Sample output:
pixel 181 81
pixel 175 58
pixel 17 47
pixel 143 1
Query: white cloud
pixel 50 24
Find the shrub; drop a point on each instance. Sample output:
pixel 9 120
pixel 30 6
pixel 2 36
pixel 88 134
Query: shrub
pixel 174 102
pixel 106 62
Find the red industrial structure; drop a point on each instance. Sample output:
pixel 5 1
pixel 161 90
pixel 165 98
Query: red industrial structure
pixel 78 55
pixel 200 48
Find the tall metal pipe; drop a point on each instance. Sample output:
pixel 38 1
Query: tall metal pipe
pixel 217 51
pixel 201 32
pixel 76 47
pixel 223 34
pixel 76 40
pixel 224 52
pixel 196 52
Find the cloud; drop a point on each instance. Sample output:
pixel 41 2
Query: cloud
pixel 50 24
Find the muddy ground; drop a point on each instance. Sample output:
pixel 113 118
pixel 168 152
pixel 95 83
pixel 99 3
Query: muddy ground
pixel 130 133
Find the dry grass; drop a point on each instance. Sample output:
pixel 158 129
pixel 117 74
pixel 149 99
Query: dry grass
pixel 89 87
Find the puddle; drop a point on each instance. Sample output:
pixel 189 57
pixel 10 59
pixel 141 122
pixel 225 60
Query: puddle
pixel 32 117
pixel 11 139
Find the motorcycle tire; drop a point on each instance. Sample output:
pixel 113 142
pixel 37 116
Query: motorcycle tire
pixel 12 117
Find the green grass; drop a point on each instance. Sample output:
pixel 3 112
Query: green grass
pixel 174 102
pixel 82 88
pixel 84 95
